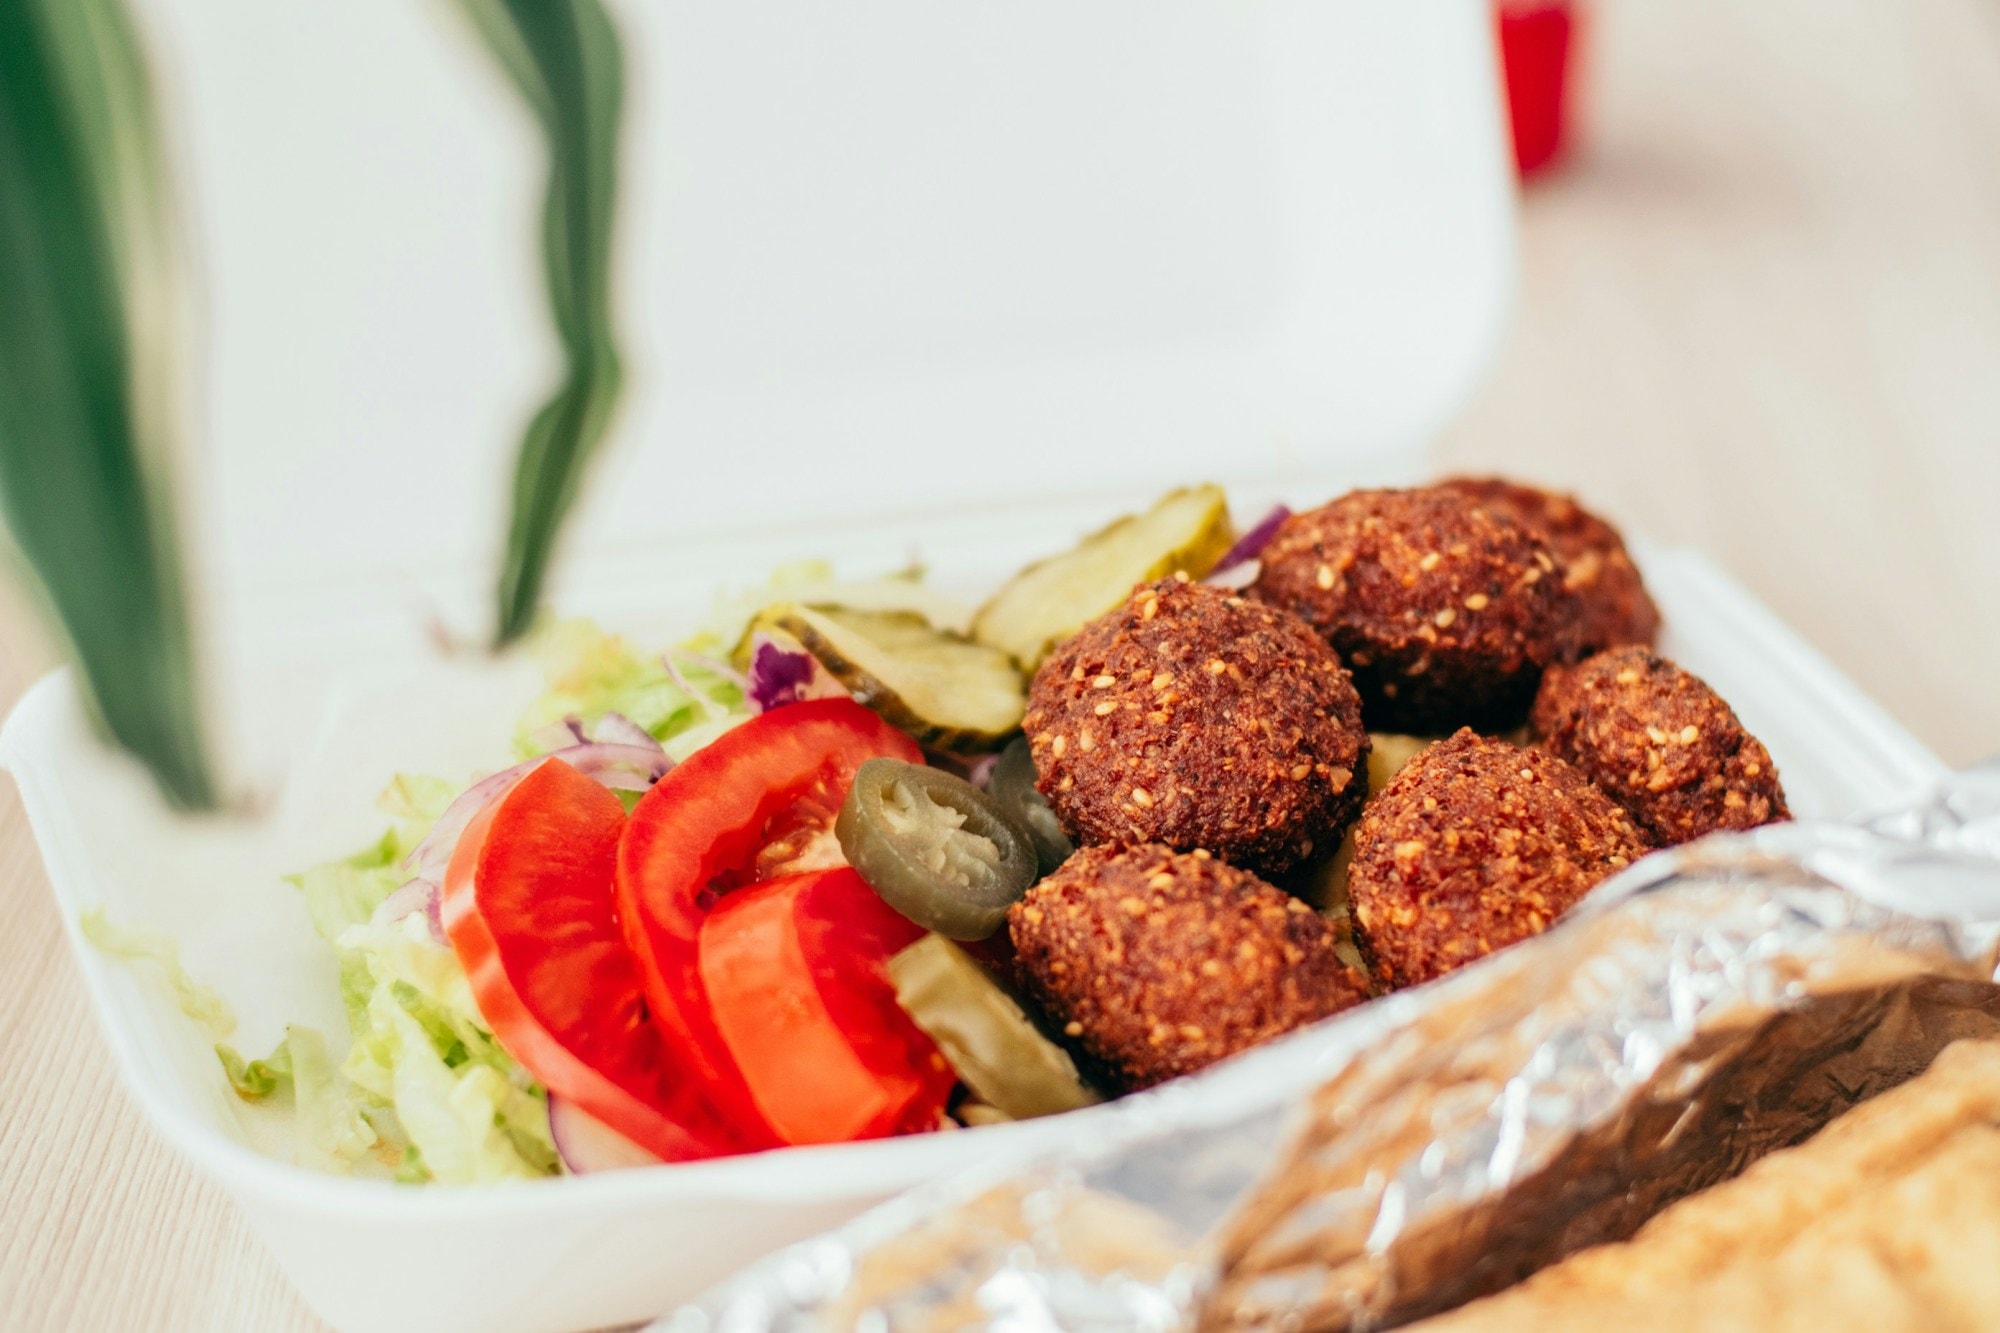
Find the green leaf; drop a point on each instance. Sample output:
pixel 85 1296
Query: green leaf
pixel 329 1130
pixel 591 672
pixel 202 1004
pixel 416 797
pixel 345 893
pixel 84 290
pixel 254 1080
pixel 458 1121
pixel 563 58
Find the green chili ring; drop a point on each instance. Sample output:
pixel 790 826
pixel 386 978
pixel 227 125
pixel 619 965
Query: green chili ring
pixel 937 849
pixel 1012 788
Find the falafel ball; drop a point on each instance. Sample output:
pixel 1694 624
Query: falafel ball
pixel 1477 844
pixel 1612 604
pixel 1659 742
pixel 1157 963
pixel 1192 717
pixel 1445 611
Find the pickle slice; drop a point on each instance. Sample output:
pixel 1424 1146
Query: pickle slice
pixel 1009 1065
pixel 941 687
pixel 1325 885
pixel 1388 752
pixel 1187 530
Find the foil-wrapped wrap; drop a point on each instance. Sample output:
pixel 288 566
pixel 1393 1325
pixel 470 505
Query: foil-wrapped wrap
pixel 1708 1006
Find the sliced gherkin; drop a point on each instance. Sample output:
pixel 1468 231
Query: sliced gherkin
pixel 1325 885
pixel 998 1053
pixel 1388 752
pixel 941 687
pixel 1185 531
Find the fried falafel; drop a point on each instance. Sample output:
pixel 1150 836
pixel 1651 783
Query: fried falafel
pixel 1612 604
pixel 1193 717
pixel 1445 612
pixel 1477 844
pixel 1659 742
pixel 1158 963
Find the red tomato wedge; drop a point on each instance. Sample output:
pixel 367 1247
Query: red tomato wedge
pixel 794 971
pixel 529 909
pixel 697 835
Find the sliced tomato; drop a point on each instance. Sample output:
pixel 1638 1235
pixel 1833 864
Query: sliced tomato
pixel 795 972
pixel 772 784
pixel 529 908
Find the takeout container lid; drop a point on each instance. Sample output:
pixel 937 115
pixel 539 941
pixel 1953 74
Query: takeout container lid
pixel 872 259
pixel 903 277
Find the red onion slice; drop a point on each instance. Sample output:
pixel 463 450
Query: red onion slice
pixel 716 667
pixel 587 1144
pixel 618 729
pixel 433 854
pixel 1250 544
pixel 687 687
pixel 1236 577
pixel 417 895
pixel 558 735
pixel 611 729
pixel 620 767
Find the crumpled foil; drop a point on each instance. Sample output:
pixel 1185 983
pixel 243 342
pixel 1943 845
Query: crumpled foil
pixel 1709 1005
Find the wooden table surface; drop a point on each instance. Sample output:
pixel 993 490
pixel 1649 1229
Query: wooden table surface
pixel 1759 315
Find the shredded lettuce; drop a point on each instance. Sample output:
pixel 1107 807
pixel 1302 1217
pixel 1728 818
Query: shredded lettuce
pixel 469 1123
pixel 254 1080
pixel 329 1130
pixel 423 1087
pixel 689 701
pixel 401 960
pixel 591 673
pixel 416 799
pixel 202 1004
pixel 813 583
pixel 399 984
pixel 423 1081
pixel 330 1127
pixel 345 893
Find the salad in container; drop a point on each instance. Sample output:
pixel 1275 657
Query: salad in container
pixel 853 863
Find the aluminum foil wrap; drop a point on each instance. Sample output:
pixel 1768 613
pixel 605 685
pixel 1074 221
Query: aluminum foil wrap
pixel 1707 1006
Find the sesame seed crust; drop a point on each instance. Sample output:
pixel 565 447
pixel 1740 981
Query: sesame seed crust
pixel 1475 845
pixel 1444 611
pixel 1195 718
pixel 1659 742
pixel 1612 605
pixel 1158 963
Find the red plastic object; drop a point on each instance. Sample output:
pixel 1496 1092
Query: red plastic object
pixel 1536 42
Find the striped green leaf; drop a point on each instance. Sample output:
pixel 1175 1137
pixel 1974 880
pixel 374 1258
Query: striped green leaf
pixel 83 335
pixel 563 57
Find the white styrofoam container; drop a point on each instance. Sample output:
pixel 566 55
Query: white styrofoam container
pixel 581 1252
pixel 891 270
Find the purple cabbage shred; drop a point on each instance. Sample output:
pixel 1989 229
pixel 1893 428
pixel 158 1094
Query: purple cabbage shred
pixel 779 676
